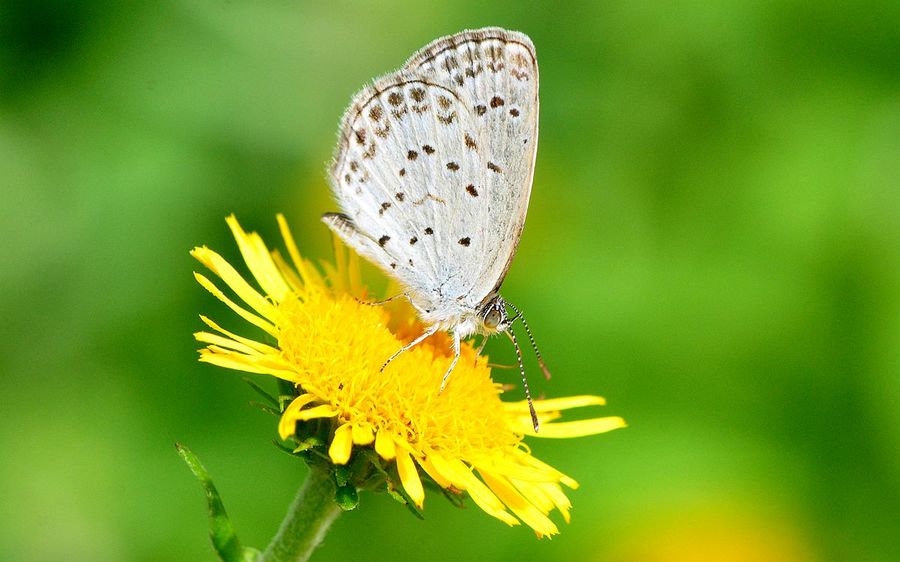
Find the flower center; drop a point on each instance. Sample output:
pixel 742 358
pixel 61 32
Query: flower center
pixel 337 347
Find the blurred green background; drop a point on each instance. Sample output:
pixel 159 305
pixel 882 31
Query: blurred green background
pixel 713 244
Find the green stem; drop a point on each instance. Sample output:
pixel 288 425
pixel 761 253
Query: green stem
pixel 308 519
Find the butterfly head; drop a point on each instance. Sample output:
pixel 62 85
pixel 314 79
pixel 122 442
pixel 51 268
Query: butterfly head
pixel 494 317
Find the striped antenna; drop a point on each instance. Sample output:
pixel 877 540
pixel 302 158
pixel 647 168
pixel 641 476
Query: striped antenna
pixel 537 352
pixel 534 418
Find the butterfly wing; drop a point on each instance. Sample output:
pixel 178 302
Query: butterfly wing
pixel 434 165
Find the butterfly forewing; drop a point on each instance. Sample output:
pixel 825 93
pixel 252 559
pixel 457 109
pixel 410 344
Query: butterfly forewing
pixel 434 165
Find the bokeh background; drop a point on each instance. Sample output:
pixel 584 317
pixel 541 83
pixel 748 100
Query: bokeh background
pixel 713 244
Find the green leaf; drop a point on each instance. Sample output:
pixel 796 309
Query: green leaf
pixel 283 448
pixel 283 401
pixel 374 461
pixel 307 444
pixel 410 504
pixel 221 532
pixel 262 392
pixel 287 388
pixel 265 408
pixel 395 495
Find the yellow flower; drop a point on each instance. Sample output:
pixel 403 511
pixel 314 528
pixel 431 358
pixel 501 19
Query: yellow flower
pixel 331 347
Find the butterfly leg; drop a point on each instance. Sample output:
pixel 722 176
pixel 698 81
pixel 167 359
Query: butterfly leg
pixel 452 363
pixel 427 333
pixel 480 348
pixel 381 302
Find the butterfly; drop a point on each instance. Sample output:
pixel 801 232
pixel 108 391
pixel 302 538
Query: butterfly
pixel 433 173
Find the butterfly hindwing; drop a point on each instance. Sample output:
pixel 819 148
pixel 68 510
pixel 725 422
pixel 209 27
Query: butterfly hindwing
pixel 392 173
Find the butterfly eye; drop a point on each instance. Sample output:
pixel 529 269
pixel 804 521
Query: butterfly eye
pixel 493 318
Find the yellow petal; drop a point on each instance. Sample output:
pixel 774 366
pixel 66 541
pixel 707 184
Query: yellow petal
pixel 409 477
pixel 239 310
pixel 339 277
pixel 519 505
pixel 227 343
pixel 555 404
pixel 559 498
pixel 534 494
pixel 287 425
pixel 239 362
pixel 304 268
pixel 429 469
pixel 260 347
pixel 290 276
pixel 541 465
pixel 354 275
pixel 384 445
pixel 331 274
pixel 258 260
pixel 511 468
pixel 233 279
pixel 341 445
pixel 323 411
pixel 448 471
pixel 362 433
pixel 580 428
pixel 463 479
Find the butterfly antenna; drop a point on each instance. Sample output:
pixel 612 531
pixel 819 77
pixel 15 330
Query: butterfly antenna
pixel 537 352
pixel 534 418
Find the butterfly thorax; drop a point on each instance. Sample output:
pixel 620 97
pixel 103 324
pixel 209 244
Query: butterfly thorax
pixel 489 317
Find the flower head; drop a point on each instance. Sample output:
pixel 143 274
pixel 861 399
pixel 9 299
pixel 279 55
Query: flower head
pixel 330 347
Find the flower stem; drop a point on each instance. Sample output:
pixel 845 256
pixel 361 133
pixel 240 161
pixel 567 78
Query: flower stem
pixel 308 519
